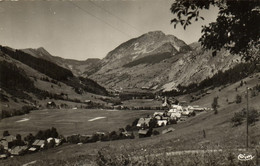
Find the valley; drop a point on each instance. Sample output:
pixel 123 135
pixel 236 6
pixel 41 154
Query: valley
pixel 83 99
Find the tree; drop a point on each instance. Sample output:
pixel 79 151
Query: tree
pixel 253 116
pixel 236 28
pixel 238 99
pixel 29 138
pixel 6 133
pixel 215 105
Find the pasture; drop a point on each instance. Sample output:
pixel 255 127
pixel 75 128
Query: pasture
pixel 69 121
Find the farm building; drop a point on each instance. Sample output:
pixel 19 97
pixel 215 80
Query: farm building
pixel 39 144
pixel 56 140
pixel 7 141
pixel 143 122
pixel 162 123
pixel 144 133
pixel 51 105
pixel 32 149
pixel 18 150
pixel 197 108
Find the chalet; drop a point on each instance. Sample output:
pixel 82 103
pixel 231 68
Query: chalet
pixel 18 150
pixel 87 101
pixel 158 113
pixel 32 149
pixel 177 108
pixel 51 105
pixel 175 115
pixel 126 134
pixel 39 144
pixel 197 108
pixel 162 123
pixel 168 130
pixel 3 156
pixel 143 122
pixel 7 141
pixel 56 140
pixel 4 143
pixel 158 117
pixel 144 133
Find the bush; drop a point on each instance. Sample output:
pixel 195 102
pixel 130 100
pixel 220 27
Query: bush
pixel 155 132
pixel 253 116
pixel 173 121
pixel 238 99
pixel 238 118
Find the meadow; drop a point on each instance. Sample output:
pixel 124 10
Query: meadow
pixel 71 121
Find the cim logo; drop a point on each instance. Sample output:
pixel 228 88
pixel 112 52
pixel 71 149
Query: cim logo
pixel 244 157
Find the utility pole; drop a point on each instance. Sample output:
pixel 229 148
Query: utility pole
pixel 247 110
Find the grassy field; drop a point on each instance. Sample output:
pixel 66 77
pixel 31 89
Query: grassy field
pixel 69 121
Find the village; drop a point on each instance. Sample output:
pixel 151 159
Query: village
pixel 11 145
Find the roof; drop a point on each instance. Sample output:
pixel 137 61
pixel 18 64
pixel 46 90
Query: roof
pixel 32 149
pixel 143 121
pixel 168 130
pixel 9 138
pixel 160 122
pixel 143 131
pixel 3 156
pixel 4 143
pixel 38 143
pixel 18 150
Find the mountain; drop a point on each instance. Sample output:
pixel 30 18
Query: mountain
pixel 29 81
pixel 157 61
pixel 78 68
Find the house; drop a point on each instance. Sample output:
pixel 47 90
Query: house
pixel 18 150
pixel 32 149
pixel 177 108
pixel 51 105
pixel 168 130
pixel 197 108
pixel 126 134
pixel 39 144
pixel 7 141
pixel 158 113
pixel 3 156
pixel 56 140
pixel 162 123
pixel 4 143
pixel 144 133
pixel 143 122
pixel 158 117
pixel 87 101
pixel 175 114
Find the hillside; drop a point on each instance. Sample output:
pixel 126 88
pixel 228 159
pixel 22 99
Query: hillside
pixel 156 61
pixel 188 135
pixel 28 83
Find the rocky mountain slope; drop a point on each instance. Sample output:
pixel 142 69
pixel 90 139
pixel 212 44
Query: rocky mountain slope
pixel 79 68
pixel 157 61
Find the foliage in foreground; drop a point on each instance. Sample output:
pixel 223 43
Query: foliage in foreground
pixel 240 116
pixel 202 158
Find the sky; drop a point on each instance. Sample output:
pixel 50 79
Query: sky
pixel 88 29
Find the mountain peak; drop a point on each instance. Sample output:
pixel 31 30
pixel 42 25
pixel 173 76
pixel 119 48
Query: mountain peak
pixel 159 33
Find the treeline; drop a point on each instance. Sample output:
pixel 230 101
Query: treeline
pixel 232 75
pixel 13 77
pixel 46 67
